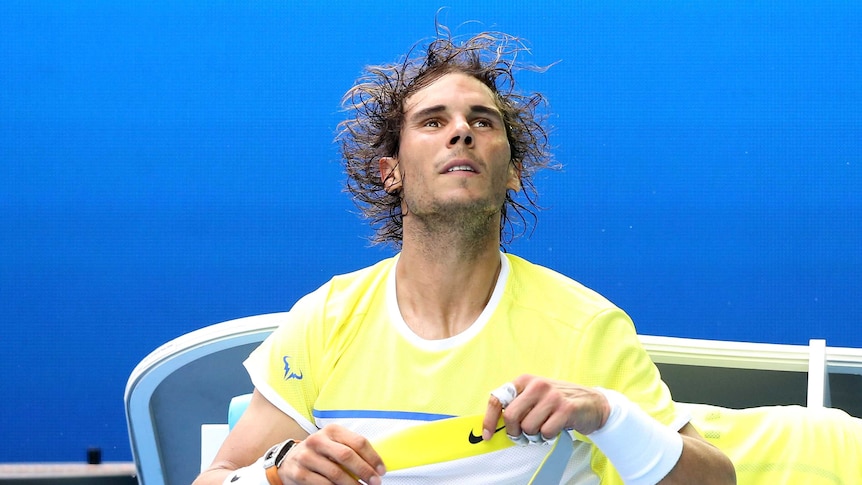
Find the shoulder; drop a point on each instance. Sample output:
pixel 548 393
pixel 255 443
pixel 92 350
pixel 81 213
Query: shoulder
pixel 344 288
pixel 339 301
pixel 540 287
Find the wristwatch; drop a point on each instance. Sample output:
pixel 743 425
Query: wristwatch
pixel 273 458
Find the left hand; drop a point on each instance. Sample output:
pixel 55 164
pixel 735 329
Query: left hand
pixel 547 406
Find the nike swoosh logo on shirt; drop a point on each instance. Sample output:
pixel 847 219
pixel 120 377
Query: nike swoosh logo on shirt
pixel 478 439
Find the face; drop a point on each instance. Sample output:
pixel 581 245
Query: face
pixel 454 152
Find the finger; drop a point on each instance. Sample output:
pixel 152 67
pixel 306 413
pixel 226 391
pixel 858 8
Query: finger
pixel 554 425
pixel 305 465
pixel 499 399
pixel 534 419
pixel 519 407
pixel 340 456
pixel 358 457
pixel 537 402
pixel 492 417
pixel 542 425
pixel 505 394
pixel 368 456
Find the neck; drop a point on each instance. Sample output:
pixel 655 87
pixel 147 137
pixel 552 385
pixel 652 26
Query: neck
pixel 443 286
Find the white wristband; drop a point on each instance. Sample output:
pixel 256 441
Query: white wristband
pixel 641 449
pixel 253 474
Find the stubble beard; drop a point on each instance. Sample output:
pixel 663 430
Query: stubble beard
pixel 460 225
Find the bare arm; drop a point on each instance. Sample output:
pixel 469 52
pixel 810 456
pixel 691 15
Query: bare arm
pixel 700 462
pixel 261 426
pixel 331 455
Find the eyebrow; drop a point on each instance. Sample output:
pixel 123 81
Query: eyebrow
pixel 437 109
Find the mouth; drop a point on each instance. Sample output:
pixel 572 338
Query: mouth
pixel 460 166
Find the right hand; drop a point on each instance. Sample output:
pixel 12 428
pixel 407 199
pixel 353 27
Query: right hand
pixel 332 455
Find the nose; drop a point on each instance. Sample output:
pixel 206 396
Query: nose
pixel 468 140
pixel 462 132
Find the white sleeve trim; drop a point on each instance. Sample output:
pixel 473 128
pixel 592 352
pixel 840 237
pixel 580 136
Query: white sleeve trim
pixel 273 397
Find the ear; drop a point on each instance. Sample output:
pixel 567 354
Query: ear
pixel 390 174
pixel 514 181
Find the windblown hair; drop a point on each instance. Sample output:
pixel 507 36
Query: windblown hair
pixel 376 112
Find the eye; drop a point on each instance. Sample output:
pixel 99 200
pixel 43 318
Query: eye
pixel 483 123
pixel 432 123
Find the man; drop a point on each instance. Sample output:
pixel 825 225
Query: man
pixel 438 148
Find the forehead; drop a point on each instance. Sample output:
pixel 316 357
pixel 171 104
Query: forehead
pixel 451 90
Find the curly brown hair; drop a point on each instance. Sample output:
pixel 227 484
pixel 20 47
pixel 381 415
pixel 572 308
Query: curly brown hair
pixel 376 107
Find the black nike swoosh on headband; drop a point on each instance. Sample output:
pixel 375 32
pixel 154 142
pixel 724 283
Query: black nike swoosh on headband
pixel 478 439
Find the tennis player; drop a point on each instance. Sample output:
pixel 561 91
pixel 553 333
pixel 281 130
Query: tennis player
pixel 453 361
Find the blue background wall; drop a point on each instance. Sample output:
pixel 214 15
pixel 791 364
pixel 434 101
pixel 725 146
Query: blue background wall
pixel 165 166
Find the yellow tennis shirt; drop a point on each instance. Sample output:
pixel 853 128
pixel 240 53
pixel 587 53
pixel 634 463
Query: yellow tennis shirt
pixel 346 356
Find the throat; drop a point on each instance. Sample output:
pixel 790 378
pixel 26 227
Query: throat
pixel 441 311
pixel 442 325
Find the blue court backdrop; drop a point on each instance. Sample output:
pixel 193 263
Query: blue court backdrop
pixel 169 165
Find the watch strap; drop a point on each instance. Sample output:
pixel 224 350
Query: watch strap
pixel 272 476
pixel 273 458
